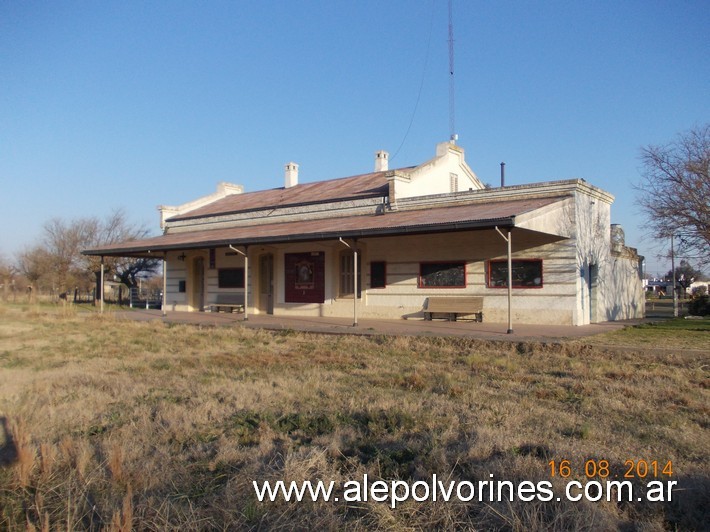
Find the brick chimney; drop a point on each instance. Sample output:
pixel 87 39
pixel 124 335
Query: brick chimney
pixel 291 175
pixel 381 161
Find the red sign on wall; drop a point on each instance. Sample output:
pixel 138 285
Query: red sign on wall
pixel 305 277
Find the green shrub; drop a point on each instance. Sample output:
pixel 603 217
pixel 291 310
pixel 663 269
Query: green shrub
pixel 700 291
pixel 700 306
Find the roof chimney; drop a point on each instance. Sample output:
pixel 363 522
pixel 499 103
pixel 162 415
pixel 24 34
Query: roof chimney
pixel 617 238
pixel 381 161
pixel 291 175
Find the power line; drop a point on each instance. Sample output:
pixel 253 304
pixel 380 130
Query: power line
pixel 421 84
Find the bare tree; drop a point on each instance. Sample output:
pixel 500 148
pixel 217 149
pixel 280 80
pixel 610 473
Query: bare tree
pixel 33 263
pixel 59 257
pixel 684 275
pixel 674 192
pixel 64 241
pixel 114 229
pixel 7 276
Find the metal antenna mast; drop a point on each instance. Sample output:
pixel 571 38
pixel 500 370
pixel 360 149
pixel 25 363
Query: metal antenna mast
pixel 452 104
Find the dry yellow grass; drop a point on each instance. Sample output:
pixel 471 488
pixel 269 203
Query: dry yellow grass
pixel 119 425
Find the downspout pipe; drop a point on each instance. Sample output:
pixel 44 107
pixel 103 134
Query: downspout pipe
pixel 355 279
pixel 163 303
pixel 246 277
pixel 101 287
pixel 508 239
pixel 355 283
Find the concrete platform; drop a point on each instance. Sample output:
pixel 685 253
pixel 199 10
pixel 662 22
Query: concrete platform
pixel 411 327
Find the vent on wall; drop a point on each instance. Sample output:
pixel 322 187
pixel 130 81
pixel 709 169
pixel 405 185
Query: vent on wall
pixel 454 179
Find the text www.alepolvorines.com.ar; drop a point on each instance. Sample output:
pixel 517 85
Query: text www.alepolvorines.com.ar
pixel 398 491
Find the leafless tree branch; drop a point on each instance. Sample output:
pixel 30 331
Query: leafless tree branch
pixel 674 191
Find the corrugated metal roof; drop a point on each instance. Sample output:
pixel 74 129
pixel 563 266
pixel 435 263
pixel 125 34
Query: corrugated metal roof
pixel 356 187
pixel 430 220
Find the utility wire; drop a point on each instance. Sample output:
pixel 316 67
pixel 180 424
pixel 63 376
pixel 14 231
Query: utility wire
pixel 421 84
pixel 452 100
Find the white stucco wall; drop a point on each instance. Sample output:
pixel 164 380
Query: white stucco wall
pixel 402 297
pixel 608 284
pixel 571 236
pixel 184 270
pixel 435 175
pixel 625 298
pixel 176 271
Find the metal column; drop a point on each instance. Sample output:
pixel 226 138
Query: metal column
pixel 244 254
pixel 355 285
pixel 509 240
pixel 101 287
pixel 165 284
pixel 246 283
pixel 510 283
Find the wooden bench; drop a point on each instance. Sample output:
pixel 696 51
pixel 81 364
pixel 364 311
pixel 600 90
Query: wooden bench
pixel 454 306
pixel 228 302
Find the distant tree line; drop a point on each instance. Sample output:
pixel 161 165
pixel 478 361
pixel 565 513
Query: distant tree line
pixel 55 265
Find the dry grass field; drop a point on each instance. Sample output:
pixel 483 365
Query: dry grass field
pixel 108 424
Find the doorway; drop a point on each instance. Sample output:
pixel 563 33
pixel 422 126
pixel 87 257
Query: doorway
pixel 266 283
pixel 347 274
pixel 593 281
pixel 198 284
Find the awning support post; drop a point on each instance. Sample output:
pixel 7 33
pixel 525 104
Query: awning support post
pixel 355 286
pixel 101 287
pixel 508 239
pixel 163 305
pixel 244 254
pixel 355 278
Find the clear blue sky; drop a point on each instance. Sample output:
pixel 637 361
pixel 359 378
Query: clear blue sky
pixel 134 104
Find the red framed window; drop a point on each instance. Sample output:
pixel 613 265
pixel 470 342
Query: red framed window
pixel 527 273
pixel 442 274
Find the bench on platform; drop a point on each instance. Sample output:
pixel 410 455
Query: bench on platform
pixel 228 303
pixel 453 307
